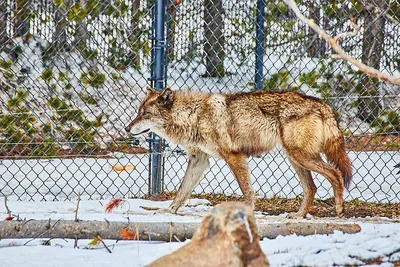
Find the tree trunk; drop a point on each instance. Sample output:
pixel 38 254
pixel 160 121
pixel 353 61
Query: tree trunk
pixel 81 31
pixel 22 11
pixel 373 37
pixel 171 30
pixel 316 47
pixel 157 231
pixel 214 39
pixel 3 22
pixel 135 35
pixel 60 34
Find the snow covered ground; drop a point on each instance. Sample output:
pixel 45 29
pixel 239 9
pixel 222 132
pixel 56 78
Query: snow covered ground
pixel 374 178
pixel 64 178
pixel 379 237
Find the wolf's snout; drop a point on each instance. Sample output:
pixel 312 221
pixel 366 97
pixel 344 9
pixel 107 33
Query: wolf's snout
pixel 127 129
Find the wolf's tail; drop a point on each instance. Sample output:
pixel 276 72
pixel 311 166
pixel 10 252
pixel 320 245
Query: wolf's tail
pixel 334 147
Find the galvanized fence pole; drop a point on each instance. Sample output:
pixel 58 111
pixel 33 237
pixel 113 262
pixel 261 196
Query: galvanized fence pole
pixel 157 78
pixel 260 38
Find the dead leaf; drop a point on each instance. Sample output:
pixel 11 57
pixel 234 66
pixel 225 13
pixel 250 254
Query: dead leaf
pixel 114 203
pixel 9 218
pixel 120 167
pixel 127 234
pixel 95 241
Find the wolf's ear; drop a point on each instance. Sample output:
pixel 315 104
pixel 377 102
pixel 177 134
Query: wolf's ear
pixel 166 97
pixel 150 90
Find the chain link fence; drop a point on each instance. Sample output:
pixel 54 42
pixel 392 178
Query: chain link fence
pixel 72 74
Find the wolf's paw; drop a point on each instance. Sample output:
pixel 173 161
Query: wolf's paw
pixel 340 211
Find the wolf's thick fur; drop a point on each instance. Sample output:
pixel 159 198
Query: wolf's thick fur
pixel 238 125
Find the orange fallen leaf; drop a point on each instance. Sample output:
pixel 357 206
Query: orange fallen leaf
pixel 120 167
pixel 127 234
pixel 114 203
pixel 9 218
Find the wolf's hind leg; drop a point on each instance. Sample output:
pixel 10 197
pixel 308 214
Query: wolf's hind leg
pixel 333 175
pixel 309 190
pixel 237 162
pixel 198 163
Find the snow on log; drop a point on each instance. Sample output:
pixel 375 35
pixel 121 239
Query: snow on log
pixel 160 231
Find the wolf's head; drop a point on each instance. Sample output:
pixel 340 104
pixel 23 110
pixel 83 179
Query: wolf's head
pixel 153 112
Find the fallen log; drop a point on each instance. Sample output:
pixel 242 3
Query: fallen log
pixel 156 231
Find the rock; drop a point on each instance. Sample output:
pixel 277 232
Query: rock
pixel 227 236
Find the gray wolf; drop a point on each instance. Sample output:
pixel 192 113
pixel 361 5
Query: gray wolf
pixel 235 126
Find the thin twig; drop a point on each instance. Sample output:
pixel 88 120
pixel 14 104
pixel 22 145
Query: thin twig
pixel 127 212
pixel 148 234
pixel 391 19
pixel 177 239
pixel 340 52
pixel 104 244
pixel 348 34
pixel 371 50
pixel 23 222
pixel 5 204
pixel 77 207
pixel 41 234
pixel 137 236
pixel 137 232
pixel 170 232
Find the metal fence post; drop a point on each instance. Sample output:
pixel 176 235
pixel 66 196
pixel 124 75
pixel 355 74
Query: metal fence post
pixel 157 78
pixel 260 37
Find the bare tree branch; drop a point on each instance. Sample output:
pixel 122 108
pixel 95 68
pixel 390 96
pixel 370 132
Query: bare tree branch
pixel 340 52
pixel 347 34
pixel 380 12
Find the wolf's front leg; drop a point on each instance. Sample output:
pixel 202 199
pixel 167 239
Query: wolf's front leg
pixel 198 162
pixel 238 164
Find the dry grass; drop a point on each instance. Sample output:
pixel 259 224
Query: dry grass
pixel 371 142
pixel 321 208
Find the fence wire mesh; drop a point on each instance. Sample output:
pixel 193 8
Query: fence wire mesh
pixel 72 74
